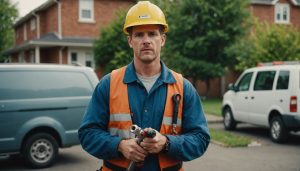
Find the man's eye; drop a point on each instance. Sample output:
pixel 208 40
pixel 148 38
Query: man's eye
pixel 139 35
pixel 151 34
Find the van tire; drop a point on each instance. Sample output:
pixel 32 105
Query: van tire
pixel 40 150
pixel 278 131
pixel 228 120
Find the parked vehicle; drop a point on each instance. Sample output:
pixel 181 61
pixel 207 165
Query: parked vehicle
pixel 41 107
pixel 267 96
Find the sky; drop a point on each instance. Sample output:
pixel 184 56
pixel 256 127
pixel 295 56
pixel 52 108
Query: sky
pixel 25 6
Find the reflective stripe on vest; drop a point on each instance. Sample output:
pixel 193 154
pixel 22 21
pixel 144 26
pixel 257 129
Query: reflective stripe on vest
pixel 120 117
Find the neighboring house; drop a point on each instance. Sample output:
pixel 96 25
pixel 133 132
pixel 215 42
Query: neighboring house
pixel 62 31
pixel 277 11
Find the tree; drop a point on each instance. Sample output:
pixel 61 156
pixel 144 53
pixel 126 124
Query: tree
pixel 267 43
pixel 200 32
pixel 8 15
pixel 111 49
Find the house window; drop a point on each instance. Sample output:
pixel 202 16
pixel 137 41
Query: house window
pixel 32 24
pixel 86 10
pixel 74 59
pixel 282 13
pixel 89 60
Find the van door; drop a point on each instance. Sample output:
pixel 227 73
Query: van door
pixel 241 99
pixel 262 97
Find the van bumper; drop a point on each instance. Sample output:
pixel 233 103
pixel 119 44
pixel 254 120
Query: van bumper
pixel 292 121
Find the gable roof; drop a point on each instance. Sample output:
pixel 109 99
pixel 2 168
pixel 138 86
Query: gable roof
pixel 273 2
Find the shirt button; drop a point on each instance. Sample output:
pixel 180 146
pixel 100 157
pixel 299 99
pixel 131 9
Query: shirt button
pixel 145 110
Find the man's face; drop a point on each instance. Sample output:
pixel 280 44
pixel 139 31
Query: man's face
pixel 146 41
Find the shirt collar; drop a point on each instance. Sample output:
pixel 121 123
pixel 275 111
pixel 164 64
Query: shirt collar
pixel 166 75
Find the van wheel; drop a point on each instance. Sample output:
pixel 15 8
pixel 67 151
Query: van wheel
pixel 278 131
pixel 228 120
pixel 40 150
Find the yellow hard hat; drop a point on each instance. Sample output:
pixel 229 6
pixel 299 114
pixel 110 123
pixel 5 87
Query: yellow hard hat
pixel 143 13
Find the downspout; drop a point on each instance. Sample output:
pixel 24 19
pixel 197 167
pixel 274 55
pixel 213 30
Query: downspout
pixel 61 55
pixel 59 19
pixel 38 34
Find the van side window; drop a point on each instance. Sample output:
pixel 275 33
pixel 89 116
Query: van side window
pixel 244 84
pixel 264 80
pixel 43 84
pixel 283 80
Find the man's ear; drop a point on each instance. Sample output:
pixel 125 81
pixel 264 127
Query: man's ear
pixel 129 41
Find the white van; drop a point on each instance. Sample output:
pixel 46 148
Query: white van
pixel 267 96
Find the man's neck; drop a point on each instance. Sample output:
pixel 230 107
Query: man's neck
pixel 147 70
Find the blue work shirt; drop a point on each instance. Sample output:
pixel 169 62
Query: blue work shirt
pixel 148 110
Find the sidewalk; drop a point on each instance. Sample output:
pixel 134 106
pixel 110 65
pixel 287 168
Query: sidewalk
pixel 213 118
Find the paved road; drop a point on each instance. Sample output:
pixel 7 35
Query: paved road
pixel 267 157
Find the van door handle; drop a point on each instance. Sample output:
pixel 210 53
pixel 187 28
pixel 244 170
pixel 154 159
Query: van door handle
pixel 252 97
pixel 246 97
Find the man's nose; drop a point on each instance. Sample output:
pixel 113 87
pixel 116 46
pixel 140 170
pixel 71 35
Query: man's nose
pixel 146 39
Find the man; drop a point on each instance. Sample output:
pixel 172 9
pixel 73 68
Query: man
pixel 141 93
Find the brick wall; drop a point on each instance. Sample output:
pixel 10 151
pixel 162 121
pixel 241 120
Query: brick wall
pixel 49 20
pixel 263 12
pixel 104 11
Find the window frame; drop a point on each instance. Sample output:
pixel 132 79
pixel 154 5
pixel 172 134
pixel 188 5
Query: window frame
pixel 91 9
pixel 279 8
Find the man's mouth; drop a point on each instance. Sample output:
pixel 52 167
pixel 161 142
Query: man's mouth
pixel 146 50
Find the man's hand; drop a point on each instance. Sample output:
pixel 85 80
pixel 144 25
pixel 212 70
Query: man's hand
pixel 154 145
pixel 132 151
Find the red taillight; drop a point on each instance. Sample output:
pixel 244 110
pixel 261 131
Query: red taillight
pixel 293 104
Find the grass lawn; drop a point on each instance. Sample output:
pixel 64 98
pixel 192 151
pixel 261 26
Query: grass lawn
pixel 229 139
pixel 212 106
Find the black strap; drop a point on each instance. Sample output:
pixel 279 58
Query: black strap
pixel 118 168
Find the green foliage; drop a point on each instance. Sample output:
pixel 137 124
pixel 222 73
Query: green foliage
pixel 267 43
pixel 200 32
pixel 111 49
pixel 8 14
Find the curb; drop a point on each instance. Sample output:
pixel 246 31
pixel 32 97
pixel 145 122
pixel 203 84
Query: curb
pixel 213 119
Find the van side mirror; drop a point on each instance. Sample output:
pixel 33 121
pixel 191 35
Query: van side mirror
pixel 232 87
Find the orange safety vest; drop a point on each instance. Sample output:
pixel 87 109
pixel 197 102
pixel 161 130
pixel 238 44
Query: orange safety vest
pixel 120 115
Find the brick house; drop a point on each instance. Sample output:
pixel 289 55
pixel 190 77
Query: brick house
pixel 62 31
